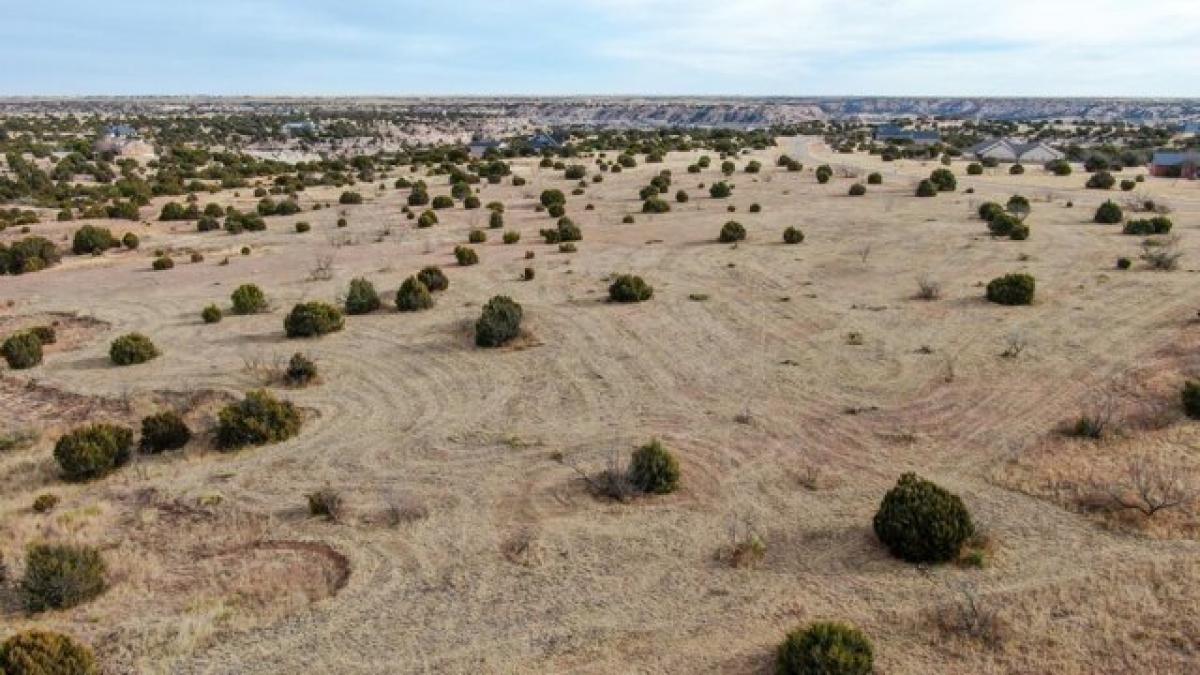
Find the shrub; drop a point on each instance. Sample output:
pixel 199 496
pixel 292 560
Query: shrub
pixel 627 219
pixel 93 451
pixel 465 255
pixel 248 299
pixel 1109 213
pixel 211 314
pixel 471 202
pixel 921 522
pixel 655 205
pixel 681 197
pixel 825 649
pixel 943 180
pixel 654 469
pixel 427 219
pixel 512 237
pixel 1124 263
pixel 418 197
pixel 550 197
pixel 92 239
pixel 258 419
pixel 325 502
pixel 22 350
pixel 413 295
pixel 162 263
pixel 1002 224
pixel 824 173
pixel 350 198
pixel 130 241
pixel 926 188
pixel 361 298
pixel 1148 226
pixel 477 236
pixel 528 274
pixel 974 169
pixel 1127 185
pixel 433 278
pixel 732 231
pixel 499 322
pixel 45 502
pixel 442 202
pixel 989 210
pixel 1190 395
pixel 1059 167
pixel 629 288
pixel 300 371
pixel 1016 170
pixel 793 235
pixel 1011 289
pixel 875 178
pixel 754 208
pixel 858 190
pixel 164 431
pixel 39 652
pixel 60 576
pixel 311 319
pixel 1019 232
pixel 720 190
pixel 1101 180
pixel 302 227
pixel 30 254
pixel 45 334
pixel 132 349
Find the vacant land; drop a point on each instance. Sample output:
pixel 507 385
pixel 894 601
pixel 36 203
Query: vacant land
pixel 794 383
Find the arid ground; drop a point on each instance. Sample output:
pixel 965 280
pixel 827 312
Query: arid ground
pixel 794 383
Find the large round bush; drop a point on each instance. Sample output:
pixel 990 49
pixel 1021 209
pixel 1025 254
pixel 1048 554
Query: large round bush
pixel 39 652
pixel 499 322
pixel 312 319
pixel 1011 289
pixel 93 451
pixel 248 299
pixel 825 648
pixel 132 349
pixel 921 522
pixel 413 296
pixel 22 350
pixel 629 288
pixel 732 231
pixel 58 576
pixel 258 419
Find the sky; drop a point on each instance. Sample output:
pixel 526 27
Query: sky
pixel 612 47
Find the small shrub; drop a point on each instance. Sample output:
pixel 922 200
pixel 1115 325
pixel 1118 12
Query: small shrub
pixel 211 314
pixel 629 288
pixel 567 247
pixel 1011 289
pixel 350 198
pixel 499 322
pixel 943 180
pixel 732 231
pixel 1109 213
pixel 1148 226
pixel 512 237
pixel 413 295
pixel 22 350
pixel 93 451
pixel 45 502
pixel 720 190
pixel 302 227
pixel 248 299
pixel 793 235
pixel 875 178
pixel 655 205
pixel 300 371
pixel 926 188
pixel 825 649
pixel 1190 395
pixel 362 298
pixel 45 334
pixel 1101 180
pixel 442 202
pixel 476 236
pixel 90 239
pixel 434 278
pixel 465 255
pixel 921 522
pixel 132 349
pixel 496 220
pixel 60 576
pixel 258 419
pixel 974 169
pixel 627 219
pixel 40 652
pixel 858 190
pixel 1124 263
pixel 528 274
pixel 653 469
pixel 164 431
pixel 162 263
pixel 325 503
pixel 312 319
pixel 130 241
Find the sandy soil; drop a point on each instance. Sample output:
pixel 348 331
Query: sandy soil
pixel 516 568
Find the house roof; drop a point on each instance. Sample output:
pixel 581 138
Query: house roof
pixel 1017 148
pixel 121 130
pixel 1162 158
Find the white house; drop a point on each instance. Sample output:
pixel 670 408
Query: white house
pixel 1011 150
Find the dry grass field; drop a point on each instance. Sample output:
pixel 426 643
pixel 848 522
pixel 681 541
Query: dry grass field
pixel 794 383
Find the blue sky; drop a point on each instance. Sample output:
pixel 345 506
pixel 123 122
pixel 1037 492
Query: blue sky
pixel 662 47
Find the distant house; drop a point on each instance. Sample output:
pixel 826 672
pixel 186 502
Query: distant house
pixel 120 131
pixel 1176 165
pixel 542 142
pixel 1191 128
pixel 1010 150
pixel 302 128
pixel 892 133
pixel 479 148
